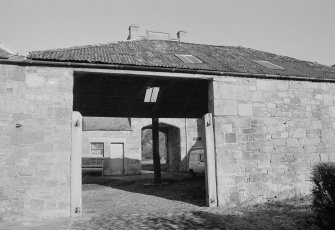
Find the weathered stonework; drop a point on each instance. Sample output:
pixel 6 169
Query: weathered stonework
pixel 35 141
pixel 268 135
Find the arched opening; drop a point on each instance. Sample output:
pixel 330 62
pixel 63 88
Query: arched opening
pixel 169 147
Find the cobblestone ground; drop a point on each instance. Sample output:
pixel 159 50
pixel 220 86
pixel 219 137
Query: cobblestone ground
pixel 128 203
pixel 178 204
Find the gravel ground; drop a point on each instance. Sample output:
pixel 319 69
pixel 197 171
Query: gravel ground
pixel 132 203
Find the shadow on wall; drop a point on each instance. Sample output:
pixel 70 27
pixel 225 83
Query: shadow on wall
pixel 169 145
pixel 115 166
pixel 197 143
pixel 121 166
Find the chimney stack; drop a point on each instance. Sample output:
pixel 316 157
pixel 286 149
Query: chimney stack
pixel 133 32
pixel 182 36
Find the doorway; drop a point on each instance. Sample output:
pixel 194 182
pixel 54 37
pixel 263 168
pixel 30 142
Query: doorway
pixel 169 147
pixel 117 158
pixel 111 95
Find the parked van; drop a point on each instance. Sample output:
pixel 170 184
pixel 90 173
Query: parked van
pixel 196 161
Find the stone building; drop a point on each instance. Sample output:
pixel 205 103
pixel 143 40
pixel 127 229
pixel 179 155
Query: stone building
pixel 268 118
pixel 120 142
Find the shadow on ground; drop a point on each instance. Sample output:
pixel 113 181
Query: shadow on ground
pixel 286 215
pixel 176 186
pixel 262 217
pixel 294 213
pixel 289 214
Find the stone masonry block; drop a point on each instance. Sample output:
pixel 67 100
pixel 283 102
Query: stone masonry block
pixel 44 148
pixel 245 109
pixel 62 205
pixel 50 205
pixel 230 137
pixel 327 100
pixel 332 111
pixel 35 80
pixel 266 85
pixel 234 92
pixel 317 124
pixel 37 205
pixel 26 136
pixel 292 142
pixel 225 107
pixel 25 171
pixel 282 85
pixel 226 128
pixel 299 132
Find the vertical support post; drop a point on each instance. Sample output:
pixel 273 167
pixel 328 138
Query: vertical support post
pixel 76 198
pixel 155 151
pixel 210 162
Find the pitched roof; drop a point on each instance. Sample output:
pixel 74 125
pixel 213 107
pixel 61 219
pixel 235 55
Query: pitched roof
pixel 6 52
pixel 162 53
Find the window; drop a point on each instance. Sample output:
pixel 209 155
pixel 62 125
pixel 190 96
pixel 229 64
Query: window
pixel 97 149
pixel 269 65
pixel 187 58
pixel 151 94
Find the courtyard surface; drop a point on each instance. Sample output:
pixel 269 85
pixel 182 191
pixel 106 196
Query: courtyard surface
pixel 132 202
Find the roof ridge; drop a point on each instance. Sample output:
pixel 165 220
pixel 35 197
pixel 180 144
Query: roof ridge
pixel 118 42
pixel 72 47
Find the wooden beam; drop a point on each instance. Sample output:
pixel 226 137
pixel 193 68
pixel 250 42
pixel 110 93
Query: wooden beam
pixel 155 151
pixel 210 162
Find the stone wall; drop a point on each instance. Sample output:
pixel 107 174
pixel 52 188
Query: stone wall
pixel 190 137
pixel 35 141
pixel 268 136
pixel 132 150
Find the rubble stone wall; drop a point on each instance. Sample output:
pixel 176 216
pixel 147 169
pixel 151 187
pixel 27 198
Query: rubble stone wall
pixel 268 136
pixel 35 141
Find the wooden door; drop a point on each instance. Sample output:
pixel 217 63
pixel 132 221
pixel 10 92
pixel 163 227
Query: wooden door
pixel 117 156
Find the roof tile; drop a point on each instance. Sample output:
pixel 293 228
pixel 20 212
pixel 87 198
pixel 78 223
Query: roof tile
pixel 161 53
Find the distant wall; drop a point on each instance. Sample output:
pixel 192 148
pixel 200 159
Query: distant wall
pixel 192 137
pixel 268 136
pixel 35 141
pixel 132 149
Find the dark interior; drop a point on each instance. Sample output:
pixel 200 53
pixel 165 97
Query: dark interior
pixel 111 95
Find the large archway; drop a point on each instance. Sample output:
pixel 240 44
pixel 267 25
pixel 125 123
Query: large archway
pixel 169 146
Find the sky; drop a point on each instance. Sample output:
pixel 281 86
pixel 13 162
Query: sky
pixel 303 29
